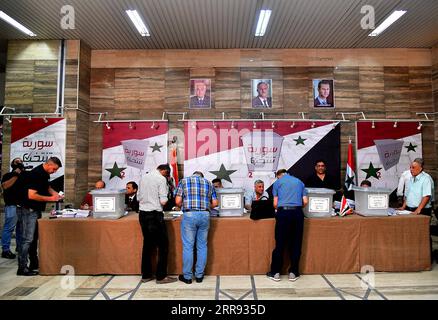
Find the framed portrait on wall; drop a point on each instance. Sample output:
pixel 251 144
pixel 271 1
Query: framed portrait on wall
pixel 323 93
pixel 261 92
pixel 200 94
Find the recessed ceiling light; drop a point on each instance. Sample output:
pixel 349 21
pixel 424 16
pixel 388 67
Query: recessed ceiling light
pixel 138 23
pixel 388 21
pixel 16 24
pixel 262 23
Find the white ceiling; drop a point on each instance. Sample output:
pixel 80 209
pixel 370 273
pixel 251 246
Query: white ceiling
pixel 226 24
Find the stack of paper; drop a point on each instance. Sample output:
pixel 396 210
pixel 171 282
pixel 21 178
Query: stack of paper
pixel 82 213
pixel 68 213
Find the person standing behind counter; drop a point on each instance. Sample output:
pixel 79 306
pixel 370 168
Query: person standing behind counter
pixel 290 196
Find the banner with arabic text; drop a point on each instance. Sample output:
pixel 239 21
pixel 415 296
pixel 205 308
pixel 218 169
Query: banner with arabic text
pixel 35 140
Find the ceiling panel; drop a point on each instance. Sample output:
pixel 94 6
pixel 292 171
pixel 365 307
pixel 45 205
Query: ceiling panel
pixel 226 24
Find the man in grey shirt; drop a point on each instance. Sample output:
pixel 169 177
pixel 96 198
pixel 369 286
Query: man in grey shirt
pixel 152 196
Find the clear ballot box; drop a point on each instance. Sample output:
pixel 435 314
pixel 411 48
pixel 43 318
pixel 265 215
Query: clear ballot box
pixel 108 203
pixel 371 201
pixel 320 203
pixel 230 202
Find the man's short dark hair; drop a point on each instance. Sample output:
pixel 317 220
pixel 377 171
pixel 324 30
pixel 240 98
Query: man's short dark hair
pixel 13 161
pixel 320 160
pixel 164 167
pixel 280 172
pixel 323 82
pixel 216 180
pixel 366 182
pixel 134 185
pixel 56 161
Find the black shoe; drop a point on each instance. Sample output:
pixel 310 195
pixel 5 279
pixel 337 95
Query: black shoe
pixel 26 272
pixel 181 278
pixel 199 280
pixel 33 265
pixel 8 255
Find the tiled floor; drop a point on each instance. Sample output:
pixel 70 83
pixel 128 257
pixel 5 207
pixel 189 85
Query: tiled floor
pixel 378 286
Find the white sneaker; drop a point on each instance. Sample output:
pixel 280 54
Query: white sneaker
pixel 275 277
pixel 293 277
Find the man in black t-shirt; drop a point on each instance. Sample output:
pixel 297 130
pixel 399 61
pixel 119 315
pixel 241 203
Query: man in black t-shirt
pixel 320 178
pixel 11 186
pixel 36 192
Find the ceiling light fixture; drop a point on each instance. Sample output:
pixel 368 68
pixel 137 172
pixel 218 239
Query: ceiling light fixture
pixel 29 118
pixel 313 125
pixel 387 22
pixel 45 120
pixel 131 126
pixel 9 119
pixel 16 24
pixel 108 126
pixel 395 124
pixel 292 125
pixel 153 125
pixel 273 125
pixel 419 126
pixel 262 23
pixel 254 125
pixel 138 23
pixel 373 125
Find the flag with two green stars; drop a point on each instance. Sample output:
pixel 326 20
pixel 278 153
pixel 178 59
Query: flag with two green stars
pixel 130 150
pixel 385 150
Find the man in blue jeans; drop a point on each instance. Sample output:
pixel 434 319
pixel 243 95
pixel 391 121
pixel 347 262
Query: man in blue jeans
pixel 195 195
pixel 290 196
pixel 35 193
pixel 11 186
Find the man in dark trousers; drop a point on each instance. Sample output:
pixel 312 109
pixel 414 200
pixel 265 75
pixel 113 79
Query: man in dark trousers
pixel 11 187
pixel 152 196
pixel 35 193
pixel 290 196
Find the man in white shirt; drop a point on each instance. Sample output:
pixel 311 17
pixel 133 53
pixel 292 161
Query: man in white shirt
pixel 152 196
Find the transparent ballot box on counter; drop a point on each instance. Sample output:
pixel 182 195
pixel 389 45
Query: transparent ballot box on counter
pixel 108 203
pixel 371 201
pixel 230 202
pixel 320 203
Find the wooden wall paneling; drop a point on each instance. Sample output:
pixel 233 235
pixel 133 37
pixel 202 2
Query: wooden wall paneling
pixel 420 89
pixel 397 100
pixel 372 91
pixel 227 89
pixel 19 84
pixel 46 84
pixel 177 89
pixel 434 73
pixel 295 89
pixel 346 89
pixel 152 92
pixel 102 84
pixel 276 74
pixel 126 92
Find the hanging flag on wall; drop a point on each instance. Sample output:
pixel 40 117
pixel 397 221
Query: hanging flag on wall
pixel 241 152
pixel 38 139
pixel 350 176
pixel 129 151
pixel 386 151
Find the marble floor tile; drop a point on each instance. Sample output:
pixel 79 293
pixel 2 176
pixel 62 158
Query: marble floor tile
pixel 122 282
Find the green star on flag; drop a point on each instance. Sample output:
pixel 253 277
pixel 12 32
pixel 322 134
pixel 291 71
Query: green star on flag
pixel 411 147
pixel 156 147
pixel 223 173
pixel 371 171
pixel 299 140
pixel 115 171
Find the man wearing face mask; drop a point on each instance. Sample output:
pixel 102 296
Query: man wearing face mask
pixel 10 185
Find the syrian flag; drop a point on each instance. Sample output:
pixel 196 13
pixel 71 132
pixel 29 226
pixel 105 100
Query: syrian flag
pixel 350 176
pixel 129 151
pixel 385 150
pixel 345 207
pixel 174 164
pixel 239 153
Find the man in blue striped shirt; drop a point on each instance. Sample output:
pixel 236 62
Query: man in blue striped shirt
pixel 195 195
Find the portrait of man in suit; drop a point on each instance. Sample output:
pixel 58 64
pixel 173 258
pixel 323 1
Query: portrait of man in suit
pixel 200 94
pixel 323 94
pixel 262 92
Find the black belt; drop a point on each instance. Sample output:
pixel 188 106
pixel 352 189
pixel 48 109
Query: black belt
pixel 194 210
pixel 289 208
